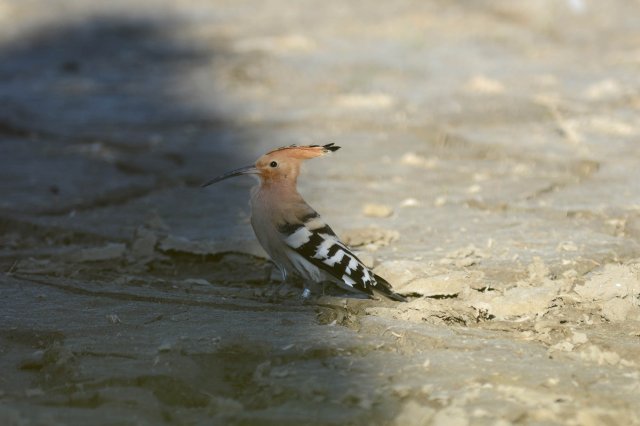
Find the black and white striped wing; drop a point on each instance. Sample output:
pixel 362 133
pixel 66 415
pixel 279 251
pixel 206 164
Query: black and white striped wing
pixel 317 243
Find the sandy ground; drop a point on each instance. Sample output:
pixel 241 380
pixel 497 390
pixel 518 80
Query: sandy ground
pixel 489 170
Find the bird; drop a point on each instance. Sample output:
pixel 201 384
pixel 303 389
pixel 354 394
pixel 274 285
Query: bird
pixel 296 238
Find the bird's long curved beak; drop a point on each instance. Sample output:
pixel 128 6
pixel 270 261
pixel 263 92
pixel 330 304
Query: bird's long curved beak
pixel 248 170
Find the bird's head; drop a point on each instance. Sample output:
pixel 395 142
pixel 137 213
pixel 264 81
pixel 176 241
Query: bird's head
pixel 281 164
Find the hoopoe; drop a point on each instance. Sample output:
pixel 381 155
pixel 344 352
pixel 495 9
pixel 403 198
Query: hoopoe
pixel 293 234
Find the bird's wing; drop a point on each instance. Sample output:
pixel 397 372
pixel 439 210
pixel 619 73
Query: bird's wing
pixel 314 240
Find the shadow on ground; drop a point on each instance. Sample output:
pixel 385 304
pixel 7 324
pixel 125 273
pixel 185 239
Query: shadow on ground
pixel 109 310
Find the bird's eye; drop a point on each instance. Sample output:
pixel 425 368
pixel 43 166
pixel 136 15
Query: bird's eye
pixel 273 164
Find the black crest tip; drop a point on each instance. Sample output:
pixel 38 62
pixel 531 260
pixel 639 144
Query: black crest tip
pixel 331 147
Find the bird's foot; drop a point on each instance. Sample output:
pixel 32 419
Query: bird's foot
pixel 308 298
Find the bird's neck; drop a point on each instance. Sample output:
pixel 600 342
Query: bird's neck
pixel 274 205
pixel 279 190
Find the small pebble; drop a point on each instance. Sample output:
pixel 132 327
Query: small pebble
pixel 34 392
pixel 165 347
pixel 410 202
pixel 377 210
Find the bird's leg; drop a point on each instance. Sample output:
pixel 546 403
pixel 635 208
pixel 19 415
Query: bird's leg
pixel 283 283
pixel 268 273
pixel 268 270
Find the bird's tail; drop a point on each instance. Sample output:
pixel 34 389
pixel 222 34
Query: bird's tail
pixel 385 289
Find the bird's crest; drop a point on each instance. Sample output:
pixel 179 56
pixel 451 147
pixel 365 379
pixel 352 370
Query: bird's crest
pixel 305 152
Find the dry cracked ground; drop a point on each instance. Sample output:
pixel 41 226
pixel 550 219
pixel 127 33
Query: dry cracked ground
pixel 489 169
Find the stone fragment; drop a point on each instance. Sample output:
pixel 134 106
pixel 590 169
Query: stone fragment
pixel 358 237
pixel 451 284
pixel 400 272
pixel 619 309
pixel 107 252
pixel 608 282
pixel 484 85
pixel 414 414
pixel 144 243
pixel 523 301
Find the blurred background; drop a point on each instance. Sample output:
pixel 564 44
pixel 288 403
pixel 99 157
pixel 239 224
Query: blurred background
pixel 489 163
pixel 109 111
